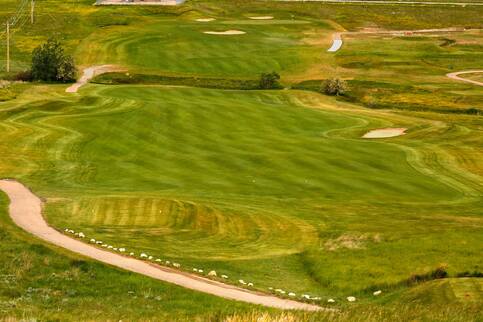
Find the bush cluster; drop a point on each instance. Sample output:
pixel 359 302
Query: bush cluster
pixel 51 64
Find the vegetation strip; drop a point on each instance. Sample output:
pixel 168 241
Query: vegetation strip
pixel 393 2
pixel 26 211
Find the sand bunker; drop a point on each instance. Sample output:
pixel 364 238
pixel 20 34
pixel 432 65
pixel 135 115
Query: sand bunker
pixel 384 133
pixel 226 33
pixel 205 19
pixel 261 18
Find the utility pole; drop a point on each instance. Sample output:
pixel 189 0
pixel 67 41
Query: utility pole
pixel 8 47
pixel 32 10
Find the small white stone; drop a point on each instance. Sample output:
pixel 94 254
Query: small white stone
pixel 351 299
pixel 224 276
pixel 212 273
pixel 376 293
pixel 331 301
pixel 291 294
pixel 250 284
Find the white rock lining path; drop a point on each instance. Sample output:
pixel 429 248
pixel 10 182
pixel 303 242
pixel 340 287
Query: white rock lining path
pixel 26 212
pixel 456 76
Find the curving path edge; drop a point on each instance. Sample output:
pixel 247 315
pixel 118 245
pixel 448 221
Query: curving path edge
pixel 91 72
pixel 26 211
pixel 456 76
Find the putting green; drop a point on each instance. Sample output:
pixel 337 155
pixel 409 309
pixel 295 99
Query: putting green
pixel 177 46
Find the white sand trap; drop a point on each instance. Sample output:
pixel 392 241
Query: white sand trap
pixel 261 18
pixel 336 42
pixel 226 33
pixel 384 133
pixel 205 19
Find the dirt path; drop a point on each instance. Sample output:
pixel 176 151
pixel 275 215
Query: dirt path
pixel 89 73
pixel 455 76
pixel 26 211
pixel 138 3
pixel 337 37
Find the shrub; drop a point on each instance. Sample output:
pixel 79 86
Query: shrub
pixel 269 80
pixel 334 86
pixel 51 64
pixel 473 111
pixel 25 76
pixel 470 274
pixel 438 273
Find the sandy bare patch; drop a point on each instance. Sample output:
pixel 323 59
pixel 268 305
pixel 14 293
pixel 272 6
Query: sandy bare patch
pixel 226 33
pixel 261 18
pixel 26 212
pixel 349 241
pixel 385 133
pixel 205 19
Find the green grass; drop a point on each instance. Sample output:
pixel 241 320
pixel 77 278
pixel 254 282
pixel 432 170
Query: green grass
pixel 250 184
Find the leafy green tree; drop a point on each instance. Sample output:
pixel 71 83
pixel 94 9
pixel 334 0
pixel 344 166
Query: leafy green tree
pixel 51 64
pixel 334 86
pixel 269 80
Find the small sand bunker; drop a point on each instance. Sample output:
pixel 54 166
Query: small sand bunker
pixel 384 133
pixel 205 19
pixel 226 33
pixel 261 18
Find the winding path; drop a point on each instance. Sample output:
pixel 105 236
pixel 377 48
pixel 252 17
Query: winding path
pixel 456 76
pixel 26 211
pixel 89 73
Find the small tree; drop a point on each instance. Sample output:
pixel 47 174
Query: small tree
pixel 334 86
pixel 51 64
pixel 269 80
